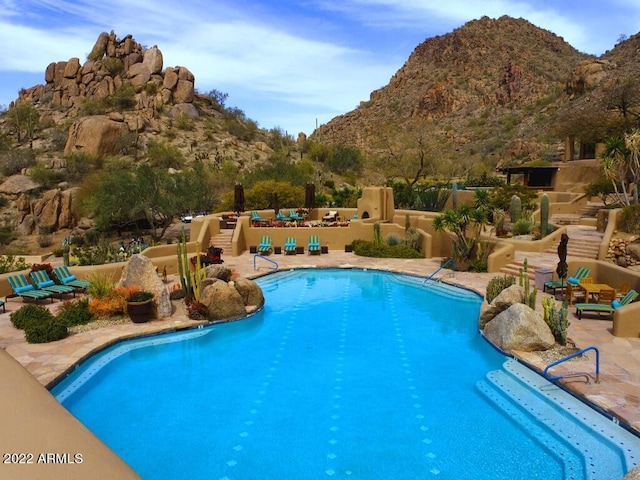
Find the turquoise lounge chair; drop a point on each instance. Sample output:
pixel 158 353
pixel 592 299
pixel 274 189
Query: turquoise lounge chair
pixel 22 288
pixel 290 245
pixel 265 244
pixel 67 278
pixel 314 244
pixel 255 218
pixel 573 280
pixel 43 282
pixel 281 216
pixel 603 308
pixel 294 215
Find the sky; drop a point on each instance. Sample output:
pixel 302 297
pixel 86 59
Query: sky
pixel 288 64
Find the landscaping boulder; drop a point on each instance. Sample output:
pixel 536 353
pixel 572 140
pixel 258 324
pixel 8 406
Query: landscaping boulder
pixel 220 272
pixel 223 301
pixel 519 328
pixel 250 292
pixel 140 272
pixel 507 297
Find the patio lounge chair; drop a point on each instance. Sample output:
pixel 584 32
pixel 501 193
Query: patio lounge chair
pixel 294 216
pixel 332 216
pixel 265 244
pixel 22 288
pixel 314 244
pixel 43 282
pixel 602 308
pixel 290 245
pixel 281 216
pixel 256 218
pixel 560 284
pixel 67 278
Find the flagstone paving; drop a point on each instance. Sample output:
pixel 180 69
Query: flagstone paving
pixel 618 392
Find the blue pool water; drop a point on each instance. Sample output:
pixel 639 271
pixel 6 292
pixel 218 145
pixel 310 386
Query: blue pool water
pixel 344 374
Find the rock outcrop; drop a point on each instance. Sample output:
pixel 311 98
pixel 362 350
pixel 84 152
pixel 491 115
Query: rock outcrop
pixel 96 135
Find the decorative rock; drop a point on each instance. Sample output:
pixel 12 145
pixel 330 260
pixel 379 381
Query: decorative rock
pixel 219 272
pixel 507 297
pixel 186 110
pixel 519 328
pixel 152 58
pixel 223 301
pixel 140 272
pixel 633 474
pixel 95 135
pixel 250 292
pixel 18 184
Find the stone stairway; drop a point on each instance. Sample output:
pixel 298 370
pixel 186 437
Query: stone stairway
pixel 223 240
pixel 590 210
pixel 584 242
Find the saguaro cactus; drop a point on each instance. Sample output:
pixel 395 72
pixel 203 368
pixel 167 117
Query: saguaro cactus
pixel 516 208
pixel 454 194
pixel 544 214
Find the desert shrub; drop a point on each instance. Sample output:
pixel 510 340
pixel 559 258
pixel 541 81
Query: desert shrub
pixel 75 312
pixel 29 313
pixel 382 250
pixel 412 237
pixel 47 177
pixel 13 161
pixel 497 285
pixel 522 227
pixel 101 285
pixel 58 252
pixel 485 179
pixel 92 106
pixel 501 197
pixel 123 98
pixel 112 304
pixel 151 88
pixel 9 263
pixel 431 199
pixel 48 329
pixel 4 201
pixel 184 123
pixel 165 155
pixel 114 66
pixel 81 164
pixel 393 240
pixel 45 240
pixel 630 219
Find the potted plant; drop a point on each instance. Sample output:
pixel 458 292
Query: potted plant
pixel 140 305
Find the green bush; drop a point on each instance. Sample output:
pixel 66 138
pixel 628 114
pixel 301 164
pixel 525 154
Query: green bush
pixel 393 240
pixel 497 285
pixel 630 219
pixel 165 156
pixel 501 197
pixel 9 263
pixel 522 227
pixel 76 312
pixel 13 161
pixel 382 250
pixel 46 330
pixel 29 313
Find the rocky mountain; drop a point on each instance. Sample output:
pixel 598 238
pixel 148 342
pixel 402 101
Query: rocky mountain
pixel 490 91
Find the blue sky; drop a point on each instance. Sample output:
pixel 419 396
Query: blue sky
pixel 286 63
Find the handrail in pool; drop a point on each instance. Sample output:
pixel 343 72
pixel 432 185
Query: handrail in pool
pixel 569 357
pixel 440 268
pixel 257 255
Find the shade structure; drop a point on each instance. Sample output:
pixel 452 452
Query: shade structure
pixel 310 196
pixel 238 198
pixel 562 269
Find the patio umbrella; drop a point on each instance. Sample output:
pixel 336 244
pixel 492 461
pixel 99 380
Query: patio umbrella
pixel 238 199
pixel 310 196
pixel 562 268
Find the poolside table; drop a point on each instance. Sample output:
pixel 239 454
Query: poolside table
pixel 593 289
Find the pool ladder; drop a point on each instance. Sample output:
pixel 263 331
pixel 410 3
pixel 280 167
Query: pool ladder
pixel 257 256
pixel 430 277
pixel 569 357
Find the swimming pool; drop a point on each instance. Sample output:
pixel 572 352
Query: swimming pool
pixel 344 374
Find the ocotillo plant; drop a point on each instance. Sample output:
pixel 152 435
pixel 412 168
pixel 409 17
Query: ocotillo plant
pixel 544 214
pixel 516 208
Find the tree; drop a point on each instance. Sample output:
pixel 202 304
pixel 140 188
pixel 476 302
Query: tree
pixel 620 162
pixel 405 155
pixel 24 118
pixel 273 194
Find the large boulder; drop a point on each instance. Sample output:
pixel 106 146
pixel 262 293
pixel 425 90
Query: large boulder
pixel 219 272
pixel 519 328
pixel 17 185
pixel 140 272
pixel 96 135
pixel 250 292
pixel 223 301
pixel 507 297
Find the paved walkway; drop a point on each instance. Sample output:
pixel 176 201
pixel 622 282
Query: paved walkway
pixel 618 392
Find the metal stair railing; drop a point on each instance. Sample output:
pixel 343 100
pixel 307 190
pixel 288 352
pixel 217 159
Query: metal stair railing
pixel 569 357
pixel 450 261
pixel 257 255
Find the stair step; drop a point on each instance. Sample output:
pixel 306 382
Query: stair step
pixel 545 410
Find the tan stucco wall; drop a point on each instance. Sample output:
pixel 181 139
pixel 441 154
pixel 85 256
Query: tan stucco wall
pixel 574 176
pixel 39 424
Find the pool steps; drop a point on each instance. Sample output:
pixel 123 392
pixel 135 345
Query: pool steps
pixel 542 408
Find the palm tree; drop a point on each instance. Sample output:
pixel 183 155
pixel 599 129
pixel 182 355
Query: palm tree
pixel 632 143
pixel 614 165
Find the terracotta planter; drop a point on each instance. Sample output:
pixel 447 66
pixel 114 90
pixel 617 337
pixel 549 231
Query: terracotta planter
pixel 140 312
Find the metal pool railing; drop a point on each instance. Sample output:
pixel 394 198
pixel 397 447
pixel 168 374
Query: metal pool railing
pixel 257 256
pixel 569 357
pixel 453 266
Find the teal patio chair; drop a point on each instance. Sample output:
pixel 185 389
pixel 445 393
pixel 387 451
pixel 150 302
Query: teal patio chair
pixel 553 285
pixel 290 246
pixel 265 244
pixel 22 288
pixel 43 282
pixel 256 218
pixel 67 278
pixel 605 308
pixel 314 244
